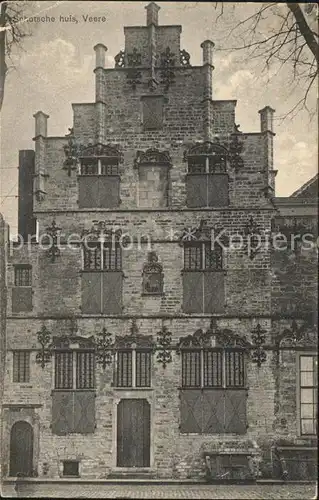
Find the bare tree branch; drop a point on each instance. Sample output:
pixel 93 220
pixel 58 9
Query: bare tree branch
pixel 291 40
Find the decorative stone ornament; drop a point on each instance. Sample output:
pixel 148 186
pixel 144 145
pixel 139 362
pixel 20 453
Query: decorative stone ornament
pixel 254 235
pixel 104 348
pixel 101 231
pixel 109 151
pixel 52 233
pixel 152 157
pixel 305 335
pixel 44 338
pixel 193 234
pixel 258 354
pixel 152 275
pixel 71 151
pixel 120 59
pixel 164 346
pixel 184 58
pixel 134 75
pixel 235 151
pixel 167 63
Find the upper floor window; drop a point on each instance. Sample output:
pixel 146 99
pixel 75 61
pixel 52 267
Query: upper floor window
pixel 133 368
pixel 152 112
pixel 213 393
pixel 203 278
pixel 21 366
pixel 99 181
pixel 200 255
pixel 99 166
pixel 207 179
pixel 74 370
pixel 102 278
pixel 102 256
pixel 22 290
pixel 23 275
pixel 308 394
pixel 213 368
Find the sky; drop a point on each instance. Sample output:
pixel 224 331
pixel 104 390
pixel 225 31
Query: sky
pixel 54 67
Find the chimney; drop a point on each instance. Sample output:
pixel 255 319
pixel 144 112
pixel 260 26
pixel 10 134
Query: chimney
pixel 208 67
pixel 100 51
pixel 41 124
pixel 267 131
pixel 26 221
pixel 208 47
pixel 266 119
pixel 41 131
pixel 152 14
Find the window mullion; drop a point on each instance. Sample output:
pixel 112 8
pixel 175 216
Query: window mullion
pixel 74 363
pixel 134 368
pixel 224 369
pixel 202 367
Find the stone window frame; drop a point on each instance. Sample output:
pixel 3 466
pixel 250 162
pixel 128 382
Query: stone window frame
pixel 21 367
pixel 299 387
pixel 74 370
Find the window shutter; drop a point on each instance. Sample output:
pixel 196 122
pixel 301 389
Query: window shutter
pixel 91 293
pixel 62 412
pixel 196 189
pixel 214 292
pixel 109 191
pixel 191 410
pixel 218 190
pixel 235 411
pixel 153 112
pixel 84 412
pixel 213 407
pixel 89 191
pixel 21 299
pixel 112 292
pixel 192 292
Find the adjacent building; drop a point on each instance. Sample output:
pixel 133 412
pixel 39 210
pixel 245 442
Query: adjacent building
pixel 153 328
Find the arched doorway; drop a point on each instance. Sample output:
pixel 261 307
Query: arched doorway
pixel 21 449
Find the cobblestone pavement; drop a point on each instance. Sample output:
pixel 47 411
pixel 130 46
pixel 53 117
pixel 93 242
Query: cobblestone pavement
pixel 157 491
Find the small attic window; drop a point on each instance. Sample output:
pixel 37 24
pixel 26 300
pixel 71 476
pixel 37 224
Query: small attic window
pixel 152 112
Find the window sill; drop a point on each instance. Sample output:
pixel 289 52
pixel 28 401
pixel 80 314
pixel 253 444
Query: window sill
pixel 203 271
pixel 72 390
pixel 131 389
pixel 159 294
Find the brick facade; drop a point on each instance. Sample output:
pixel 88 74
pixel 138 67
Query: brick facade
pixel 269 289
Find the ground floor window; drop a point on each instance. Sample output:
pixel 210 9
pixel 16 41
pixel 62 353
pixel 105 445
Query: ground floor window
pixel 213 393
pixel 308 394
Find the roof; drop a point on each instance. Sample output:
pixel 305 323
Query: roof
pixel 307 190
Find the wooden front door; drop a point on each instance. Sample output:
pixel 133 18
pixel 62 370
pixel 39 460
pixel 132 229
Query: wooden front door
pixel 21 449
pixel 133 433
